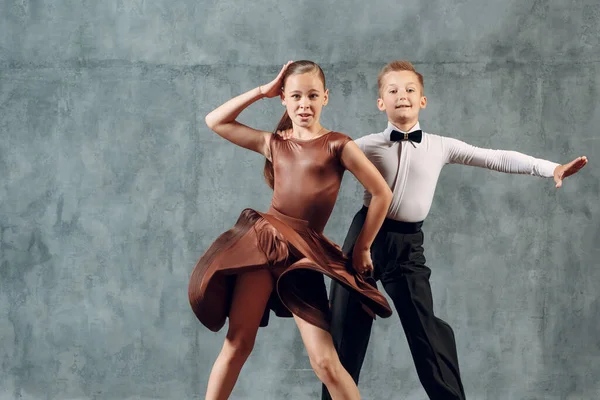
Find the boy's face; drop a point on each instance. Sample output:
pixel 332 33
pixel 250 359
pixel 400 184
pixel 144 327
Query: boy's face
pixel 401 97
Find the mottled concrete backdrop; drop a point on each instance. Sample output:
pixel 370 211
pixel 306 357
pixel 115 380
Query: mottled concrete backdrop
pixel 111 187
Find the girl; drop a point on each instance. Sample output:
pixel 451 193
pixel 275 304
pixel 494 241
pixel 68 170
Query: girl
pixel 276 260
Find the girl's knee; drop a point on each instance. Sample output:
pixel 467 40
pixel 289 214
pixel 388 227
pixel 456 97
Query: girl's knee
pixel 239 346
pixel 327 366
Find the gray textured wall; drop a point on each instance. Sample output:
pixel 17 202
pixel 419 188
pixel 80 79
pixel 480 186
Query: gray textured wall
pixel 111 187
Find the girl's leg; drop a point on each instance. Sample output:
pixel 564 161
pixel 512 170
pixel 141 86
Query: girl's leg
pixel 250 296
pixel 325 362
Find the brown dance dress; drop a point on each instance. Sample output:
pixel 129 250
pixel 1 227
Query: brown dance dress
pixel 287 240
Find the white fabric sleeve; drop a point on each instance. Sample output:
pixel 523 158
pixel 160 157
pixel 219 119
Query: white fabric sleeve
pixel 513 162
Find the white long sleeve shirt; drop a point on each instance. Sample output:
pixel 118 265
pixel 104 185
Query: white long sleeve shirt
pixel 412 172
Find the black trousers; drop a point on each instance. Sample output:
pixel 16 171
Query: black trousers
pixel 397 255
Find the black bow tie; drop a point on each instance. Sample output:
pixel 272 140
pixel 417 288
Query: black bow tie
pixel 414 136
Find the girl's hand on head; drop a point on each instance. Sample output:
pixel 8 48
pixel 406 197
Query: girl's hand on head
pixel 273 88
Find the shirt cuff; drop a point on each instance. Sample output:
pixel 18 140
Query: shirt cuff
pixel 544 168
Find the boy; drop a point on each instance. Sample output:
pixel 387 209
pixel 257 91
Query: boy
pixel 410 160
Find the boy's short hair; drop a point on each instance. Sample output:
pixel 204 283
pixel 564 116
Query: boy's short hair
pixel 398 65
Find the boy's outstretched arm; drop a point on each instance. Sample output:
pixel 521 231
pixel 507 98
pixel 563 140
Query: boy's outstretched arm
pixel 508 161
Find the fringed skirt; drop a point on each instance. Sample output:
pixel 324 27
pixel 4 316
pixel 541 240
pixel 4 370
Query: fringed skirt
pixel 297 256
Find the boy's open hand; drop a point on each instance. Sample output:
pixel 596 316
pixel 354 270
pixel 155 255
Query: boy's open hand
pixel 562 171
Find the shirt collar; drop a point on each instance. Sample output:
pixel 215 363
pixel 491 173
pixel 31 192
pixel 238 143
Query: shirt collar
pixel 390 127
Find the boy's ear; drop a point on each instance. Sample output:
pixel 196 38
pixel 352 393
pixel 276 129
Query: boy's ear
pixel 380 104
pixel 423 102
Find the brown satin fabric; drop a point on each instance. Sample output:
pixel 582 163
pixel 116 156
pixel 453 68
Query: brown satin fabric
pixel 287 240
pixel 308 175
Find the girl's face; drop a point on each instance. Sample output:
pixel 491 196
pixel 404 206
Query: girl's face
pixel 304 96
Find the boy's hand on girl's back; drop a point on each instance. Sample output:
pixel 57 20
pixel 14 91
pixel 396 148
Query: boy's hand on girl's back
pixel 287 134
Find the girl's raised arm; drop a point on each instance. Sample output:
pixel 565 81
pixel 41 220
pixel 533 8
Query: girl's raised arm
pixel 222 120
